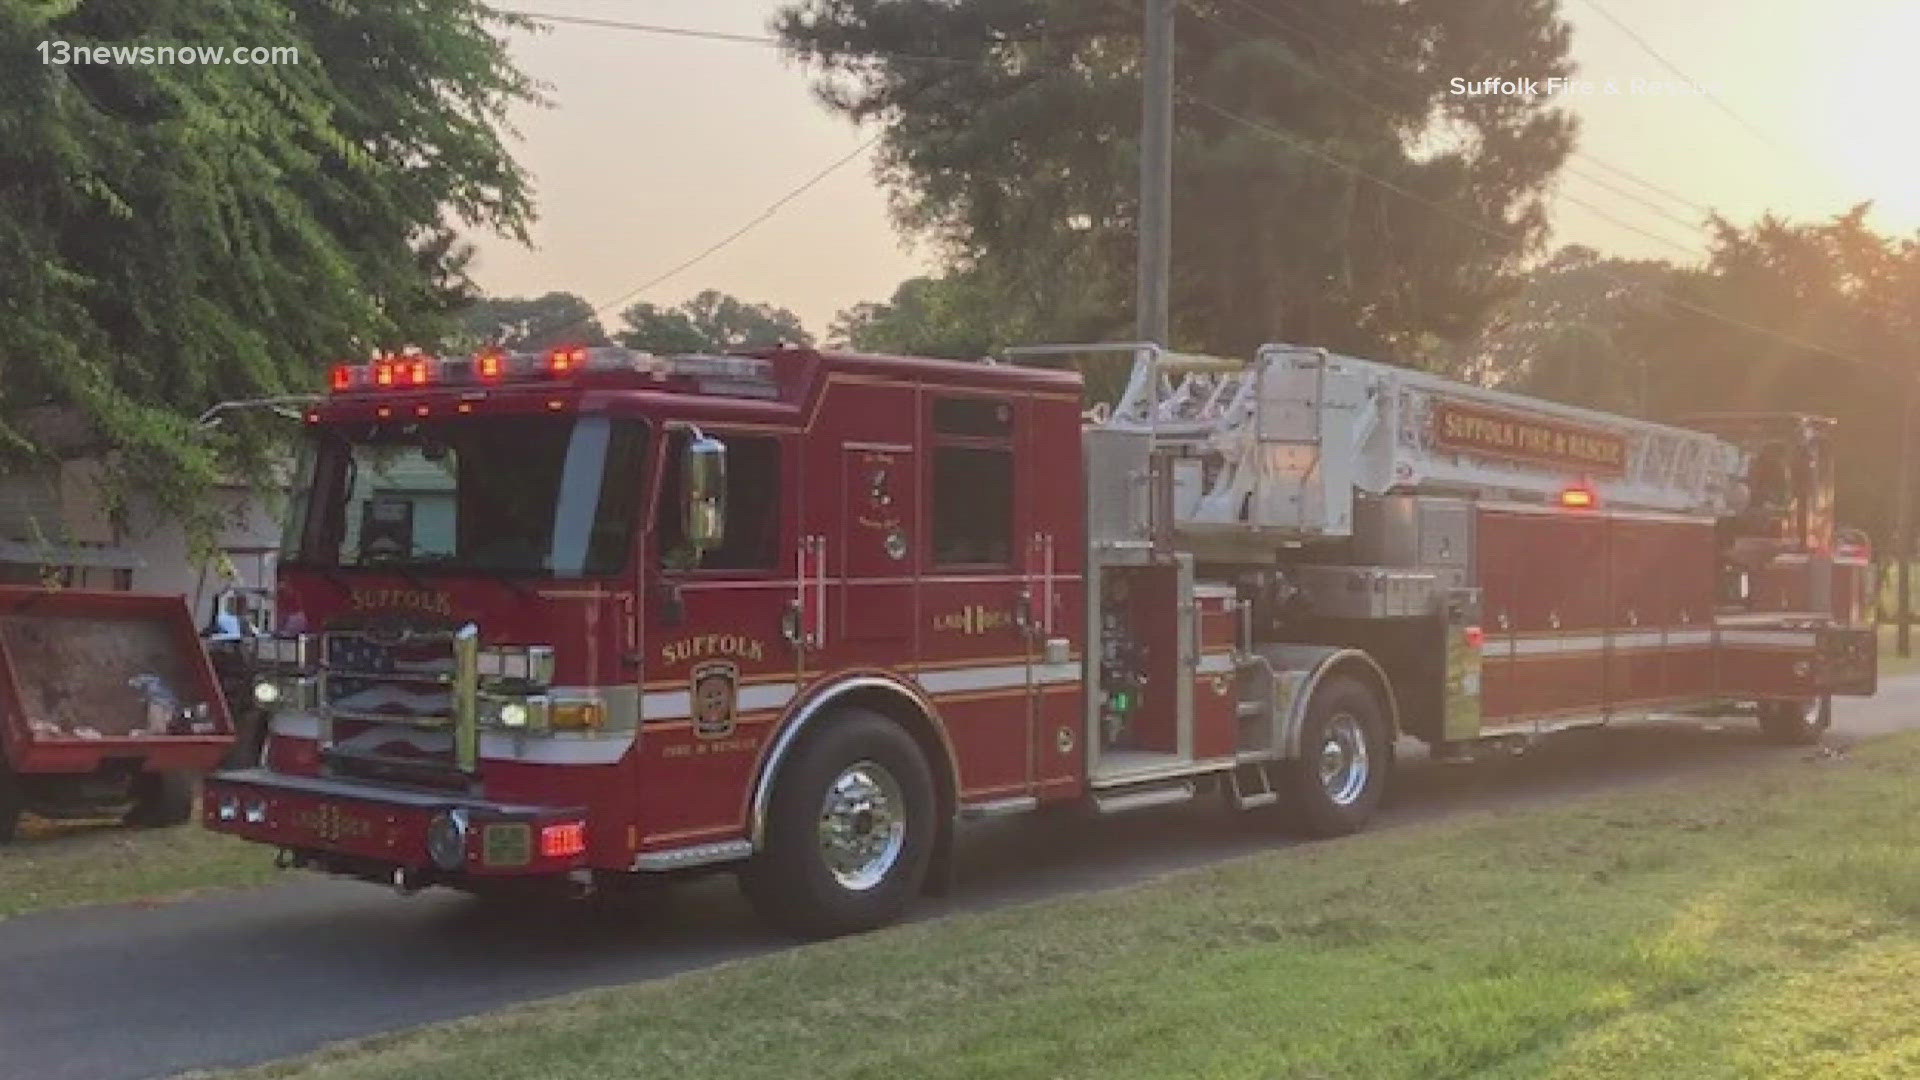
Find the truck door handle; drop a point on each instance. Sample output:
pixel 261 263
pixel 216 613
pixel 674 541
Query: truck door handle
pixel 790 623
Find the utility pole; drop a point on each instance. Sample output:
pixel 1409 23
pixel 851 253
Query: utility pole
pixel 1903 523
pixel 1156 172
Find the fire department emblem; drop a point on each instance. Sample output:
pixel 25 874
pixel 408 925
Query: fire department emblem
pixel 716 692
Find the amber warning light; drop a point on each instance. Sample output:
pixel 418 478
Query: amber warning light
pixel 1578 498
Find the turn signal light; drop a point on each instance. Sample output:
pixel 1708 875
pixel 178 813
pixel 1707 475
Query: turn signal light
pixel 563 841
pixel 576 715
pixel 1578 498
pixel 566 359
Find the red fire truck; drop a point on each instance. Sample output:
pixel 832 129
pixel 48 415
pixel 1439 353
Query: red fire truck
pixel 592 615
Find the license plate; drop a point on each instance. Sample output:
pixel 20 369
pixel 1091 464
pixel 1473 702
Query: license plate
pixel 508 843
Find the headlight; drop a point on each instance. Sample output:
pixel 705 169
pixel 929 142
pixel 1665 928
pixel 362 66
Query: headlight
pixel 513 712
pixel 295 692
pixel 257 812
pixel 229 807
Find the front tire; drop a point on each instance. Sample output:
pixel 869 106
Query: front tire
pixel 1799 722
pixel 161 800
pixel 850 829
pixel 1346 753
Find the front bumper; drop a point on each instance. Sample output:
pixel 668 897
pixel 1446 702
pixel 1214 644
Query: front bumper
pixel 358 826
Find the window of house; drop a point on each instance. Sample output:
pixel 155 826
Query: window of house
pixel 972 482
pixel 752 508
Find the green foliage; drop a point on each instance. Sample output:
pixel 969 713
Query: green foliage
pixel 1631 337
pixel 710 322
pixel 172 235
pixel 541 322
pixel 1578 331
pixel 1023 165
pixel 950 316
pixel 1836 284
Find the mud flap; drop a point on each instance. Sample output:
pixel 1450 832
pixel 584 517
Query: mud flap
pixel 1847 660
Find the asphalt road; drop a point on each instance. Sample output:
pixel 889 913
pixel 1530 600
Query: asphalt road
pixel 122 992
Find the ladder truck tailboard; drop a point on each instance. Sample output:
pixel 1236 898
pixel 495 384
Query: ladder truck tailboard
pixel 588 618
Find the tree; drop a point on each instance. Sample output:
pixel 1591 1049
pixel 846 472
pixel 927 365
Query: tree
pixel 1819 318
pixel 948 316
pixel 711 321
pixel 542 322
pixel 1021 162
pixel 1576 331
pixel 176 234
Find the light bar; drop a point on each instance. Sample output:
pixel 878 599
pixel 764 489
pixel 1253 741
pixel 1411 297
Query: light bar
pixel 727 376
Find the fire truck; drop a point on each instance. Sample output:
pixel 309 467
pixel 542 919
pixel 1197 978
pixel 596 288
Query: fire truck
pixel 591 617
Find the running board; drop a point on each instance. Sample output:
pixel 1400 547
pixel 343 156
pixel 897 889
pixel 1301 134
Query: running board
pixel 1019 804
pixel 1119 802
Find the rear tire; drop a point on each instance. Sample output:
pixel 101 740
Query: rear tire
pixel 161 800
pixel 850 829
pixel 1800 722
pixel 1346 754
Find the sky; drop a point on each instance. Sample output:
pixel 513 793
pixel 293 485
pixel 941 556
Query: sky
pixel 656 147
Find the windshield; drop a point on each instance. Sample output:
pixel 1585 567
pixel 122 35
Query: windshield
pixel 550 496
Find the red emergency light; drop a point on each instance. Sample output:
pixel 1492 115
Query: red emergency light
pixel 730 376
pixel 566 359
pixel 563 841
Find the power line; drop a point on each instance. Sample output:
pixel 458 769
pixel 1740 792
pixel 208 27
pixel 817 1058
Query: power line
pixel 1270 131
pixel 773 208
pixel 1352 52
pixel 1648 48
pixel 711 35
pixel 1315 152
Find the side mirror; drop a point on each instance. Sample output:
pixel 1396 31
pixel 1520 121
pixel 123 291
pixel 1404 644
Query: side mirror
pixel 704 480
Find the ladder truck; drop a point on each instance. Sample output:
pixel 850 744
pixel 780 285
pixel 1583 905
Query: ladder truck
pixel 589 617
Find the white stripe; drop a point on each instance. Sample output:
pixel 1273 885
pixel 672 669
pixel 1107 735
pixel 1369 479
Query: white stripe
pixel 1784 638
pixel 957 680
pixel 1214 664
pixel 1637 639
pixel 678 704
pixel 1689 637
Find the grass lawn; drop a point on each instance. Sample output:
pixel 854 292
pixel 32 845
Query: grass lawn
pixel 1756 924
pixel 1891 663
pixel 56 864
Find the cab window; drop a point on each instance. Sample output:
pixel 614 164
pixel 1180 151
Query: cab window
pixel 972 482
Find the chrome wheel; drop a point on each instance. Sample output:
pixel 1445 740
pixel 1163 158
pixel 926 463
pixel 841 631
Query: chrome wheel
pixel 863 825
pixel 1345 764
